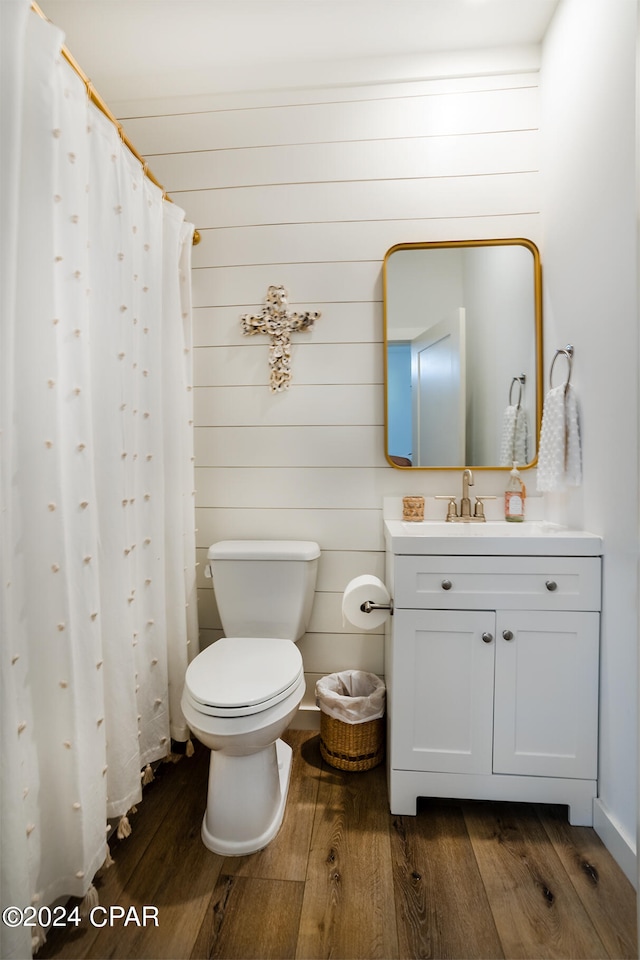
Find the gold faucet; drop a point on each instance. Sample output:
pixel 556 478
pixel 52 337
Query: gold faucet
pixel 465 515
pixel 465 502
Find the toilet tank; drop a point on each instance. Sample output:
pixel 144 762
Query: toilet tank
pixel 264 588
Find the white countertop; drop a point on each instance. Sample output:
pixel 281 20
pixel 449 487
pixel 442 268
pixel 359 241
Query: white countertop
pixel 493 538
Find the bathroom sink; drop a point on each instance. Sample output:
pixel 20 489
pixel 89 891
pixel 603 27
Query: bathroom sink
pixel 495 537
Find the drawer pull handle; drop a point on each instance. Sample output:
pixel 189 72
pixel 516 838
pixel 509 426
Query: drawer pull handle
pixel 446 584
pixel 487 637
pixel 551 585
pixel 507 634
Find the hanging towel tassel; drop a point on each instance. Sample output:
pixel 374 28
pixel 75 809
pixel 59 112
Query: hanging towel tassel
pixel 124 828
pixel 89 901
pixel 189 750
pixel 147 775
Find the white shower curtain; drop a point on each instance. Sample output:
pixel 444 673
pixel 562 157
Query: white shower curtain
pixel 98 543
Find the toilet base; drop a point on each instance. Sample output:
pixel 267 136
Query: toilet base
pixel 246 800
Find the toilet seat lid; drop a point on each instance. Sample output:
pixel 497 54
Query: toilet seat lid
pixel 243 672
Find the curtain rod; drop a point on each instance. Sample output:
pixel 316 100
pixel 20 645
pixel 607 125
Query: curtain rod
pixel 97 100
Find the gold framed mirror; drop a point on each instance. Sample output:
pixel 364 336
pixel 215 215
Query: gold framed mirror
pixel 462 354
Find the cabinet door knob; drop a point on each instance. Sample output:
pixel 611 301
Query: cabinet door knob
pixel 507 634
pixel 551 585
pixel 487 637
pixel 446 584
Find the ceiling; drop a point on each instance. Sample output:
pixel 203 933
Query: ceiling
pixel 137 48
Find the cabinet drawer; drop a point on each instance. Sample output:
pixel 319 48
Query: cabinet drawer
pixel 525 583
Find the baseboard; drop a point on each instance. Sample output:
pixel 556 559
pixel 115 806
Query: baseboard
pixel 307 718
pixel 620 846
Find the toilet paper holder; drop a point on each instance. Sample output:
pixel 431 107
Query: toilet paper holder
pixel 369 605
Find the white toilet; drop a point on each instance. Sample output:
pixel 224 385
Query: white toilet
pixel 241 693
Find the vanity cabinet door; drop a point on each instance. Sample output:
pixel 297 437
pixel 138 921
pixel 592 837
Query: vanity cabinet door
pixel 546 694
pixel 443 669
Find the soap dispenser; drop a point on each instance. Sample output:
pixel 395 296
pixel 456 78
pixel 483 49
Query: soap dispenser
pixel 514 497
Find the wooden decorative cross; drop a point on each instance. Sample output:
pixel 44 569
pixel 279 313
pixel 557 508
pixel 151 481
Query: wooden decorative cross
pixel 278 324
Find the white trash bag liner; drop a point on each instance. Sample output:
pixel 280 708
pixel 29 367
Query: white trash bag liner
pixel 352 696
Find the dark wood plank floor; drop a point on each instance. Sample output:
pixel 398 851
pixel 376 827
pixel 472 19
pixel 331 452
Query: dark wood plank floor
pixel 346 879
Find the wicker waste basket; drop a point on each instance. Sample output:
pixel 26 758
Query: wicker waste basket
pixel 352 705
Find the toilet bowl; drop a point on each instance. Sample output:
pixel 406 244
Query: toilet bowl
pixel 241 693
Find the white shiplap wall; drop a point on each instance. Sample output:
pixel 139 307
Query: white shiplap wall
pixel 309 189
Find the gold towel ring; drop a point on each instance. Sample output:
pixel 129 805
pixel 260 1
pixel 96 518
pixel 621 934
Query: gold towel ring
pixel 564 352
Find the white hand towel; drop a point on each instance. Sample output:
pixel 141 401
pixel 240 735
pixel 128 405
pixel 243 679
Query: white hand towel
pixel 560 456
pixel 515 437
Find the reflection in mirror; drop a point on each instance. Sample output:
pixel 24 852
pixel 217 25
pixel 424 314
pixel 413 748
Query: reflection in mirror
pixel 463 342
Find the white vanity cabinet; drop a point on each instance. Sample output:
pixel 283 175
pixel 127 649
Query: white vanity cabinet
pixel 492 666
